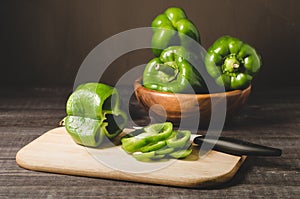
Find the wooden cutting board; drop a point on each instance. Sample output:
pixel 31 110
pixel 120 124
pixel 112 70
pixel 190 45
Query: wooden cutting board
pixel 55 151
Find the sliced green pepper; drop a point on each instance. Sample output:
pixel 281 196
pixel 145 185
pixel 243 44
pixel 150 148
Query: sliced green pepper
pixel 146 157
pixel 152 134
pixel 177 145
pixel 133 144
pixel 232 63
pixel 157 141
pixel 165 26
pixel 179 140
pixel 93 112
pixel 164 151
pixel 181 153
pixel 158 132
pixel 172 72
pixel 153 147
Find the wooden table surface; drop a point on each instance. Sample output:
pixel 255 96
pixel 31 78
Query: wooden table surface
pixel 270 118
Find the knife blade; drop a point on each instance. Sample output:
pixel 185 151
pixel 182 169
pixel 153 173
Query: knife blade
pixel 235 147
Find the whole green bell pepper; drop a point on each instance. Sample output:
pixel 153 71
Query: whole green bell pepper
pixel 170 26
pixel 172 72
pixel 232 63
pixel 93 111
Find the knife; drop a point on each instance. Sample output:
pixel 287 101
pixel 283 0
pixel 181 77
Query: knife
pixel 235 146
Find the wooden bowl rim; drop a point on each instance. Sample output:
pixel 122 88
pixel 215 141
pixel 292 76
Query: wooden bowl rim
pixel 138 85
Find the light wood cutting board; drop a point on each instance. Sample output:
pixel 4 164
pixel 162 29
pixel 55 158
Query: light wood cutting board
pixel 55 152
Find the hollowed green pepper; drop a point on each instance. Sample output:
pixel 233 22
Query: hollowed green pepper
pixel 232 63
pixel 93 112
pixel 165 28
pixel 172 72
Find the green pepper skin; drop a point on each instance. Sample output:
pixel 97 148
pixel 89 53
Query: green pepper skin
pixel 172 72
pixel 133 144
pixel 232 63
pixel 170 26
pixel 91 113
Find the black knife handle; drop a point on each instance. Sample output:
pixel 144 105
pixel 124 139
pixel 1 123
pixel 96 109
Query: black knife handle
pixel 237 147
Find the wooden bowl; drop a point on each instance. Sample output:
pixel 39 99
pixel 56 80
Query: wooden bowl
pixel 177 106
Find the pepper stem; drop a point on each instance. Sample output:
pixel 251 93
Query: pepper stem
pixel 231 64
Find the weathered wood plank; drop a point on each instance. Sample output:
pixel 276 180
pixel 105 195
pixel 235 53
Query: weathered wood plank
pixel 142 191
pixel 269 119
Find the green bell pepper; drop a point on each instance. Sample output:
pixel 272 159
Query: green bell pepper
pixel 165 27
pixel 232 63
pixel 93 111
pixel 171 72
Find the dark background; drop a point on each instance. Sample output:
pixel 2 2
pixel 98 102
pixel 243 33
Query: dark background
pixel 43 43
